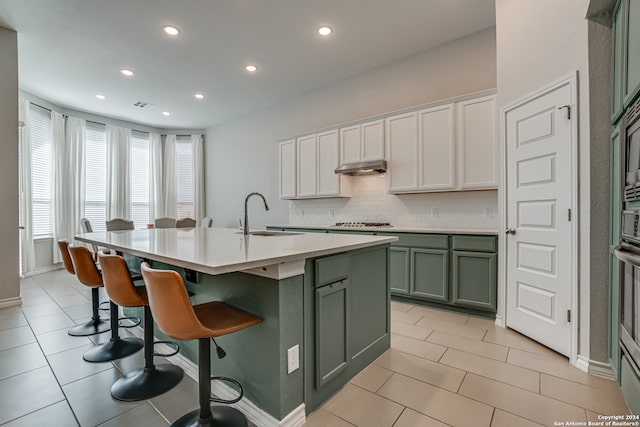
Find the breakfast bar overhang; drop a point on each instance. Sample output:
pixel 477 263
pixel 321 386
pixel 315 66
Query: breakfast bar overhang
pixel 323 298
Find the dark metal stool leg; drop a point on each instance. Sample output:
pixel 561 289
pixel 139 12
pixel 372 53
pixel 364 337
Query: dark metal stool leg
pixel 116 347
pixel 150 381
pixel 207 415
pixel 94 326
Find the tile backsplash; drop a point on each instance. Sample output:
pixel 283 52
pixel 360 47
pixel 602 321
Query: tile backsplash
pixel 370 201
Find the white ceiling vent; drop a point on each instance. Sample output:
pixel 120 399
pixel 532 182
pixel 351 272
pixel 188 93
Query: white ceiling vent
pixel 143 105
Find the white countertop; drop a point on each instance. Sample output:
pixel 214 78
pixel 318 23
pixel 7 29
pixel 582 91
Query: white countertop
pixel 397 229
pixel 225 250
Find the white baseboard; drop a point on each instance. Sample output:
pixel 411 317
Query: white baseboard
pixel 500 321
pixel 47 269
pixel 10 302
pixel 593 367
pixel 257 416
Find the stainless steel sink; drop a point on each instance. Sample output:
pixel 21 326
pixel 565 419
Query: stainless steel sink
pixel 270 233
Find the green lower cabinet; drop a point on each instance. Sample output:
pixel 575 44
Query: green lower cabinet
pixel 400 271
pixel 331 331
pixel 430 274
pixel 630 385
pixel 474 279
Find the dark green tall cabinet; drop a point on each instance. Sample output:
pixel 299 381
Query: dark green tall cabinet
pixel 626 88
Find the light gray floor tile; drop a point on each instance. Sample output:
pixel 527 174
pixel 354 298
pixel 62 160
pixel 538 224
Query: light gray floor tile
pixel 21 359
pixel 28 392
pixel 41 310
pixel 58 415
pixel 12 320
pixel 60 340
pixel 91 401
pixel 15 337
pixel 46 324
pixel 144 415
pixel 68 366
pixel 178 401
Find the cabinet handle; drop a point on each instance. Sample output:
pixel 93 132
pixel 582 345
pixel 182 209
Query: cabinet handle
pixel 510 230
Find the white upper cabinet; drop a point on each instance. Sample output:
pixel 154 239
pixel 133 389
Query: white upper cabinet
pixel 328 160
pixel 402 152
pixel 307 166
pixel 350 145
pixel 436 134
pixel 287 155
pixel 362 143
pixel 477 144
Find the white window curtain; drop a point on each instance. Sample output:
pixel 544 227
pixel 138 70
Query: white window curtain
pixel 28 250
pixel 118 187
pixel 75 134
pixel 170 174
pixel 156 194
pixel 197 147
pixel 62 186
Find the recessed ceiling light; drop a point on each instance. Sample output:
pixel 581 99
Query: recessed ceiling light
pixel 127 73
pixel 166 113
pixel 172 31
pixel 199 96
pixel 324 31
pixel 101 96
pixel 251 68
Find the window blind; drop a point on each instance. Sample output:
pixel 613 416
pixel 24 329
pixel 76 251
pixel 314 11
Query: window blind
pixel 41 171
pixel 139 172
pixel 95 149
pixel 184 178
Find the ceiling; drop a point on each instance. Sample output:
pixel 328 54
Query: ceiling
pixel 71 50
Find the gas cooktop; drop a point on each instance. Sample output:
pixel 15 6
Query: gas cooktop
pixel 362 224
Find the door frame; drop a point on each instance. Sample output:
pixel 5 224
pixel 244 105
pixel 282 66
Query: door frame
pixel 501 317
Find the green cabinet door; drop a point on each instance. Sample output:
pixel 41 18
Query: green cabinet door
pixel 614 264
pixel 400 262
pixel 331 331
pixel 474 280
pixel 618 60
pixel 631 46
pixel 430 274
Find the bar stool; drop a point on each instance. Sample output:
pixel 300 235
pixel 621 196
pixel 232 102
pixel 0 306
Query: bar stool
pixel 89 275
pixel 96 325
pixel 177 318
pixel 152 380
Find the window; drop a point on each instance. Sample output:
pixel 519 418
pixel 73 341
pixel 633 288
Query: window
pixel 95 160
pixel 41 171
pixel 139 174
pixel 184 178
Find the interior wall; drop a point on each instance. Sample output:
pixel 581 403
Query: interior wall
pixel 538 43
pixel 247 148
pixel 9 275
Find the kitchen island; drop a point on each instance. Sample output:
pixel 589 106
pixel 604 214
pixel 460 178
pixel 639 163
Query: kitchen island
pixel 324 299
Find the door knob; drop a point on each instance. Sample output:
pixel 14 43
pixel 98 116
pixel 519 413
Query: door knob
pixel 510 230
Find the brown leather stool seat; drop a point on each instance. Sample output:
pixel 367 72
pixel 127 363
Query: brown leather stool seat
pixel 177 318
pixel 96 325
pixel 89 275
pixel 151 380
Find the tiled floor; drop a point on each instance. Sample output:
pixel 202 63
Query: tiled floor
pixel 443 369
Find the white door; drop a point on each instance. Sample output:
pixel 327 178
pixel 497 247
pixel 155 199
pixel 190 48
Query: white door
pixel 539 141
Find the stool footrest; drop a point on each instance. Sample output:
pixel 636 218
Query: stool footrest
pixel 107 308
pixel 170 344
pixel 232 381
pixel 136 321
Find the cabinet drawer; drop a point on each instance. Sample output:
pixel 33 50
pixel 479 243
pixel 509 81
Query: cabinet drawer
pixel 331 269
pixel 430 241
pixel 474 243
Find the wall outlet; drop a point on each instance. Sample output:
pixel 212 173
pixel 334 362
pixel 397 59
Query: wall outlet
pixel 293 358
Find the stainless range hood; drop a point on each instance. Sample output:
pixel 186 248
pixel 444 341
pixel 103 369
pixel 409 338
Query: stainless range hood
pixel 363 168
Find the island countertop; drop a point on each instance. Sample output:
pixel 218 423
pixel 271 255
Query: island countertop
pixel 225 250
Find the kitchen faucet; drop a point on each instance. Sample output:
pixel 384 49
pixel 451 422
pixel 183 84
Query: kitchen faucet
pixel 246 216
